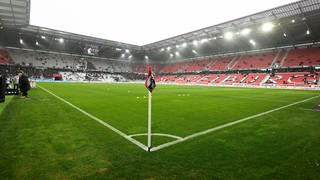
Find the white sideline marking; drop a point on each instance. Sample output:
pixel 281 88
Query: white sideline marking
pixel 142 146
pixel 156 134
pixel 227 125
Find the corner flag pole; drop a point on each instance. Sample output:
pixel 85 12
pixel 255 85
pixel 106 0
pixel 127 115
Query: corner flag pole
pixel 150 84
pixel 149 120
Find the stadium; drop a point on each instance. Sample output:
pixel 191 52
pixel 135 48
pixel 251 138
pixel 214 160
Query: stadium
pixel 238 99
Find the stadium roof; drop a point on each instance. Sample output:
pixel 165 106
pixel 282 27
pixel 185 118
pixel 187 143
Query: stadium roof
pixel 299 9
pixel 14 12
pixel 291 22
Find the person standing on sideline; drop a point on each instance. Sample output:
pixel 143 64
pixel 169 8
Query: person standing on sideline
pixel 2 87
pixel 16 82
pixel 24 84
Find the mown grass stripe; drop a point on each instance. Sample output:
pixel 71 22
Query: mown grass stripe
pixel 4 104
pixel 228 124
pixel 142 146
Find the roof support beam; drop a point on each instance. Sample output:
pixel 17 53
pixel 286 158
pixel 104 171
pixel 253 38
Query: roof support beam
pixel 284 29
pixel 2 11
pixel 14 19
pixel 309 27
pixel 12 5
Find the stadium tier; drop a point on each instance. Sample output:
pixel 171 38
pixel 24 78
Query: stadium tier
pixel 300 79
pixel 281 58
pixel 303 57
pixel 299 57
pixel 254 61
pixel 64 61
pixel 5 57
pixel 237 69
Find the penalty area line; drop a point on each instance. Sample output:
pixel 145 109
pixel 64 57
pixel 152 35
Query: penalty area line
pixel 227 125
pixel 142 146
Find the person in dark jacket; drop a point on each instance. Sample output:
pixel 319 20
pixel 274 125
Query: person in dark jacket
pixel 2 87
pixel 24 84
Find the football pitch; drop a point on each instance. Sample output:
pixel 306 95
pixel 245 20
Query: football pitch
pixel 98 131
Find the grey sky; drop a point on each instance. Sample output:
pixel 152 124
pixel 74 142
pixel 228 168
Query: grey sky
pixel 141 21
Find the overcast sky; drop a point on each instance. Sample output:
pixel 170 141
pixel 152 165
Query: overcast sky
pixel 141 22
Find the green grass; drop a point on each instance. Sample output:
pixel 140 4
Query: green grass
pixel 44 138
pixel 5 103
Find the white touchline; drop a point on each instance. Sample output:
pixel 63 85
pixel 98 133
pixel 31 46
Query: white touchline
pixel 227 125
pixel 142 146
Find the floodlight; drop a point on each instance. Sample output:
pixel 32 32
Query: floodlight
pixel 215 38
pixel 267 26
pixel 171 55
pixel 177 53
pixel 130 56
pixel 123 55
pixel 118 49
pixel 284 35
pixel 168 48
pixel 127 51
pixel 195 42
pixel 162 49
pixel 204 40
pixel 245 31
pixel 21 41
pixel 184 44
pixel 61 40
pixel 252 42
pixel 293 21
pixel 194 51
pixel 146 57
pixel 177 46
pixel 37 43
pixel 43 37
pixel 228 35
pixel 308 32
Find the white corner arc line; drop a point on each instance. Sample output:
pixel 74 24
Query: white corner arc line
pixel 142 146
pixel 156 134
pixel 228 124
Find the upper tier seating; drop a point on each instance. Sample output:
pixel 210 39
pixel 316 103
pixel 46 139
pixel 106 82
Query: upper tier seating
pixel 5 57
pixel 143 68
pixel 221 63
pixel 195 66
pixel 303 57
pixel 262 60
pixel 66 61
pixel 172 68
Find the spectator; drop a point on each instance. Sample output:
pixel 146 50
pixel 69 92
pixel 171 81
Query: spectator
pixel 2 87
pixel 15 82
pixel 24 84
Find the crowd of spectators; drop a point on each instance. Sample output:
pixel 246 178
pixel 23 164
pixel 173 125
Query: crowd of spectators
pixel 66 61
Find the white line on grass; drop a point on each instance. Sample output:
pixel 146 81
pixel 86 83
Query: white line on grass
pixel 156 134
pixel 142 146
pixel 227 125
